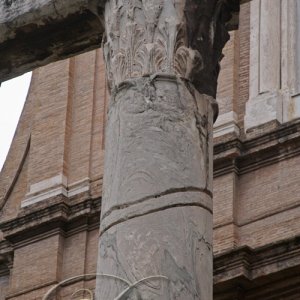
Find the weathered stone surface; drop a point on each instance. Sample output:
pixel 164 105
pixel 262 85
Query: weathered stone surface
pixel 175 242
pixel 159 134
pixel 158 169
pixel 35 33
pixel 185 38
pixel 252 178
pixel 274 64
pixel 162 61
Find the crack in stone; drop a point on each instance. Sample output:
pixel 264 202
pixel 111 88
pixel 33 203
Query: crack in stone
pixel 56 10
pixel 160 208
pixel 151 211
pixel 158 195
pixel 208 244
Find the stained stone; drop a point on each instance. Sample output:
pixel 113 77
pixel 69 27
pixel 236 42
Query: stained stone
pixel 157 206
pixel 176 242
pixel 162 59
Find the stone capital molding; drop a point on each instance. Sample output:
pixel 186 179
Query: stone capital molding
pixel 183 38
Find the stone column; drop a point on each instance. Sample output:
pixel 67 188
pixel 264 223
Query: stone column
pixel 162 60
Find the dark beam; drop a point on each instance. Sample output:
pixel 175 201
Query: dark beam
pixel 35 33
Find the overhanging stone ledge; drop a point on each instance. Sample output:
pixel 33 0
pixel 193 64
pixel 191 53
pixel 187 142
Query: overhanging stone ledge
pixel 246 268
pixel 41 220
pixel 33 34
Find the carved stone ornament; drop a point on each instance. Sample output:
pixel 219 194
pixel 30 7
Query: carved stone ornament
pixel 176 37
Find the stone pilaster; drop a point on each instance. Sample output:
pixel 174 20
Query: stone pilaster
pixel 162 59
pixel 290 59
pixel 274 63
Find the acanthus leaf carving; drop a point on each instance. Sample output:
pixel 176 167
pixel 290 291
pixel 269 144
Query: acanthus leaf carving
pixel 144 37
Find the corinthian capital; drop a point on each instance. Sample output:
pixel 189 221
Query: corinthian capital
pixel 177 37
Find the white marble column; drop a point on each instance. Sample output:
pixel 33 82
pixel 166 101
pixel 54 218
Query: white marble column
pixel 274 62
pixel 162 59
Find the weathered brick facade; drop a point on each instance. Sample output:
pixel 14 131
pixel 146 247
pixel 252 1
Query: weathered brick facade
pixel 51 185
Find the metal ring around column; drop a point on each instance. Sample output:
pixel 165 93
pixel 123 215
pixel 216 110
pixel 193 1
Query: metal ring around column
pixel 119 297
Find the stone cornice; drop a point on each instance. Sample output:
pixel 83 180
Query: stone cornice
pixel 235 155
pixel 246 268
pixel 56 215
pixel 242 268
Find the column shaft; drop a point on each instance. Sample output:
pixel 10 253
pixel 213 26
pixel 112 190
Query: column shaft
pixel 157 206
pixel 162 60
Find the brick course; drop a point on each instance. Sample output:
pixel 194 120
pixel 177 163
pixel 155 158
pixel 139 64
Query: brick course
pixel 64 120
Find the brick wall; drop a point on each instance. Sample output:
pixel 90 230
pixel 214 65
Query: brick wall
pixel 65 117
